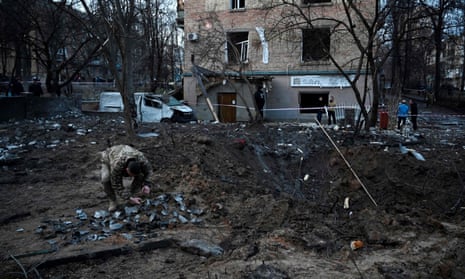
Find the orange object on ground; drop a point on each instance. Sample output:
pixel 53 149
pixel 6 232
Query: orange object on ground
pixel 356 244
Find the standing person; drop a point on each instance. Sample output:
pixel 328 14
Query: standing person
pixel 402 114
pixel 36 88
pixel 331 110
pixel 429 98
pixel 16 87
pixel 260 100
pixel 321 108
pixel 413 113
pixel 124 161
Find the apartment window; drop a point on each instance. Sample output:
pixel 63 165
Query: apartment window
pixel 309 2
pixel 237 47
pixel 315 44
pixel 237 4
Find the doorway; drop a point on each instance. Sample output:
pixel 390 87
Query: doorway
pixel 310 101
pixel 227 107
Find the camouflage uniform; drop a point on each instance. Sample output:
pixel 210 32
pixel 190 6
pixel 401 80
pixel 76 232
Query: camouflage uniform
pixel 114 163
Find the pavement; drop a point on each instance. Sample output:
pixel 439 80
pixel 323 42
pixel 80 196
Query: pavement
pixel 437 113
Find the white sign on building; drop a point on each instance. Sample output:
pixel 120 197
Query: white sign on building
pixel 319 81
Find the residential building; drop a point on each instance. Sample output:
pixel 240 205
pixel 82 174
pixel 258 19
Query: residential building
pixel 239 45
pixel 452 59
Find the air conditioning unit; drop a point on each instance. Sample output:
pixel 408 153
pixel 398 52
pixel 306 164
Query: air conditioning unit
pixel 192 37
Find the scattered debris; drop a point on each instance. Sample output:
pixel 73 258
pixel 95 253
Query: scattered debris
pixel 417 155
pixel 161 212
pixel 292 184
pixel 346 203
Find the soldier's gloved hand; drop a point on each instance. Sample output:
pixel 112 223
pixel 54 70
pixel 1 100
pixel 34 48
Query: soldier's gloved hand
pixel 135 200
pixel 145 190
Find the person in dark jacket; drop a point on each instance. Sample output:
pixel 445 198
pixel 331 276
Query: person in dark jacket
pixel 332 111
pixel 413 113
pixel 16 87
pixel 36 88
pixel 320 110
pixel 260 100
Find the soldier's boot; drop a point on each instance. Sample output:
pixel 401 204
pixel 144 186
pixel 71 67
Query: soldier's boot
pixel 112 205
pixel 111 196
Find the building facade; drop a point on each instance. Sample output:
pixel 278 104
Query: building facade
pixel 233 47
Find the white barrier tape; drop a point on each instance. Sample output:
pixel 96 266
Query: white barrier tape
pixel 436 115
pixel 291 108
pixel 337 107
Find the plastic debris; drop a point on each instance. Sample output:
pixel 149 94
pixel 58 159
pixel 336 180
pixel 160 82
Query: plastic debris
pixel 417 155
pixel 115 226
pixel 101 214
pixel 152 217
pixel 56 126
pixel 117 214
pixel 81 132
pixel 196 211
pixel 306 177
pixel 346 203
pixel 80 214
pixel 147 135
pixel 183 219
pixel 130 210
pixel 180 200
pixel 165 211
pixel 405 150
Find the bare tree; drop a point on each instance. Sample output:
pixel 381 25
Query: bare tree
pixel 355 23
pixel 157 42
pixel 54 40
pixel 437 11
pixel 117 35
pixel 223 66
pixel 456 34
pixel 15 27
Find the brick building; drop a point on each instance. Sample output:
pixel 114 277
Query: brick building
pixel 240 45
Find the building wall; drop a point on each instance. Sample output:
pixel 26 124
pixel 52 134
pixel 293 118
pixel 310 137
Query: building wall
pixel 23 107
pixel 212 20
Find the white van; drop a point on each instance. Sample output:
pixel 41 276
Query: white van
pixel 150 107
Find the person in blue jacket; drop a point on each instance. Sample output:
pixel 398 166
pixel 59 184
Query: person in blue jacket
pixel 402 114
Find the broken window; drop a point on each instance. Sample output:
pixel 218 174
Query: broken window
pixel 237 4
pixel 152 103
pixel 315 44
pixel 309 2
pixel 237 47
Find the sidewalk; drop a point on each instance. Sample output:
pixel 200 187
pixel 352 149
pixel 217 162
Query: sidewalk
pixel 435 108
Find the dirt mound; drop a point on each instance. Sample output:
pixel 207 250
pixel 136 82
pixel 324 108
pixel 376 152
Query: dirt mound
pixel 274 200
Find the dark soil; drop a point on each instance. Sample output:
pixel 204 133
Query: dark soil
pixel 236 201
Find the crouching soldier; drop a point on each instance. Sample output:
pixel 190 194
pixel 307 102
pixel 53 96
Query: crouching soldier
pixel 124 161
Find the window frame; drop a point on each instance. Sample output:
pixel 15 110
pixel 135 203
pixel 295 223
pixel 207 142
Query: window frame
pixel 242 46
pixel 237 5
pixel 313 54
